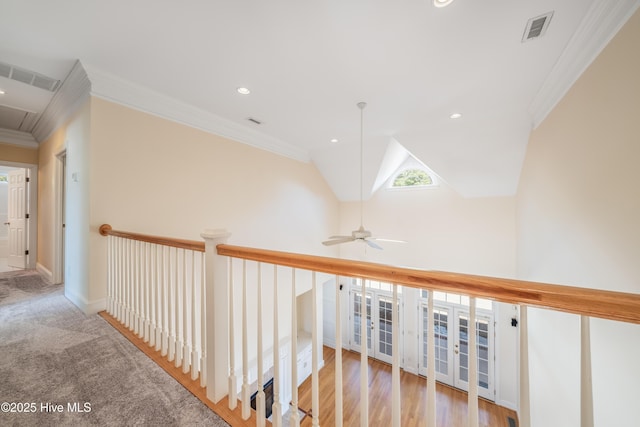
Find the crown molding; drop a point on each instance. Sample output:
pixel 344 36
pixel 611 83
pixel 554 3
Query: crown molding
pixel 601 23
pixel 14 137
pixel 119 91
pixel 71 95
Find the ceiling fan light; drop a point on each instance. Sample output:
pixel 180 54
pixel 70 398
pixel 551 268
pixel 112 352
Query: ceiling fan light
pixel 442 3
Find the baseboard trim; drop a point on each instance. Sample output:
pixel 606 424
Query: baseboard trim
pixel 507 404
pixel 45 272
pixel 88 307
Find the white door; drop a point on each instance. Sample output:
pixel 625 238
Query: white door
pixel 379 328
pixel 17 219
pixel 484 348
pixel 452 347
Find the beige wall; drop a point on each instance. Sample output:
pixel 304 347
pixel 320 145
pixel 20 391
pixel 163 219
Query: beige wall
pixel 154 176
pixel 578 210
pixel 14 153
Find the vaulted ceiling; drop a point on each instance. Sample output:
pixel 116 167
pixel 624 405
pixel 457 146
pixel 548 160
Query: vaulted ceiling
pixel 307 64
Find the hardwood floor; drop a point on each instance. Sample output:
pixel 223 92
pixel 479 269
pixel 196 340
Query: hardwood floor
pixel 451 404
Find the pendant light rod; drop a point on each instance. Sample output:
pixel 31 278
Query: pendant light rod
pixel 361 106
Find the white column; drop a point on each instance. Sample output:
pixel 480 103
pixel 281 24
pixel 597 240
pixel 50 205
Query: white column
pixel 525 408
pixel 294 418
pixel 338 370
pixel 260 402
pixel 364 362
pixel 217 316
pixel 586 393
pixel 473 365
pixel 431 364
pixel 315 384
pixel 395 366
pixel 276 414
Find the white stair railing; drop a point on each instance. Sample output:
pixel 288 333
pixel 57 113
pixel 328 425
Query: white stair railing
pixel 154 289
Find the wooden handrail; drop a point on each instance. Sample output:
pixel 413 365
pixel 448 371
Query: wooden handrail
pixel 611 305
pixel 194 245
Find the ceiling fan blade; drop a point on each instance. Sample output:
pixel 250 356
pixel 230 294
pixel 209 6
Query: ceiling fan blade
pixel 342 239
pixel 380 239
pixel 373 244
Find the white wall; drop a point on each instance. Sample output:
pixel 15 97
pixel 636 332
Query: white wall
pixel 578 210
pixel 443 232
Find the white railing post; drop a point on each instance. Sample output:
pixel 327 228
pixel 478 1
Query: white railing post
pixel 473 364
pixel 586 393
pixel 338 419
pixel 246 404
pixel 395 367
pixel 276 418
pixel 315 384
pixel 525 408
pixel 217 316
pixel 260 397
pixel 431 364
pixel 364 361
pixel 294 417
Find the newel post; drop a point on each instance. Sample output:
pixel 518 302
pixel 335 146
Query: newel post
pixel 217 315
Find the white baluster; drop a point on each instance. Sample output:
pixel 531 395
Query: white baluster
pixel 525 408
pixel 127 284
pixel 152 296
pixel 294 417
pixel 431 364
pixel 246 404
pixel 179 310
pixel 260 403
pixel 233 383
pixel 147 293
pixel 473 365
pixel 203 322
pixel 157 284
pixel 315 384
pixel 185 316
pixel 276 409
pixel 338 359
pixel 586 393
pixel 165 303
pixel 364 362
pixel 131 303
pixel 395 367
pixel 120 309
pixel 194 349
pixel 109 275
pixel 173 281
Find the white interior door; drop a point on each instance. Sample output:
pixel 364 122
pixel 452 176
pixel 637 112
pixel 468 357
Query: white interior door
pixel 451 324
pixel 17 219
pixel 442 317
pixel 484 347
pixel 379 324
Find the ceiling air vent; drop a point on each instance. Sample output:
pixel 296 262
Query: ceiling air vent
pixel 536 27
pixel 256 121
pixel 29 77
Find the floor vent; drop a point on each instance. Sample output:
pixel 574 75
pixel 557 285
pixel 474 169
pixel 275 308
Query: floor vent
pixel 512 422
pixel 536 27
pixel 29 77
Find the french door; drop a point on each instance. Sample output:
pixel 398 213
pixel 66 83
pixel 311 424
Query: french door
pixel 451 326
pixel 379 324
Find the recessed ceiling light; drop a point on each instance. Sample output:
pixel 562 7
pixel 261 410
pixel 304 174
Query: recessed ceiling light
pixel 441 3
pixel 333 141
pixel 243 91
pixel 455 116
pixel 1 92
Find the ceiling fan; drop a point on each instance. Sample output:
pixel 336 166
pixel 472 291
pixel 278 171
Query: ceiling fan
pixel 361 234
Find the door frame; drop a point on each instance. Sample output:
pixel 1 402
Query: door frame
pixel 32 210
pixel 59 217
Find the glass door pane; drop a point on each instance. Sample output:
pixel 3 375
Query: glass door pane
pixel 484 349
